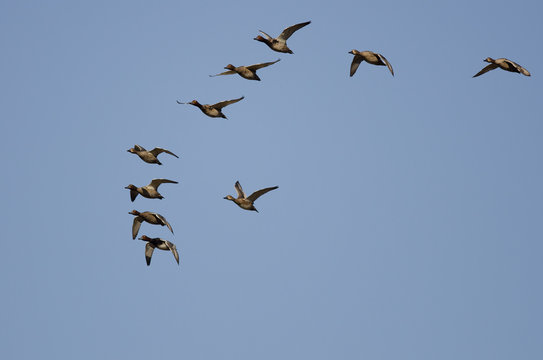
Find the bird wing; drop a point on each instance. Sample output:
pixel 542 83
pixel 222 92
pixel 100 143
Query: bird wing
pixel 164 221
pixel 259 193
pixel 222 104
pixel 133 195
pixel 521 70
pixel 486 69
pixel 290 30
pixel 383 59
pixel 149 248
pixel 157 151
pixel 229 72
pixel 139 148
pixel 173 249
pixel 266 35
pixel 136 226
pixel 239 190
pixel 356 62
pixel 260 66
pixel 156 182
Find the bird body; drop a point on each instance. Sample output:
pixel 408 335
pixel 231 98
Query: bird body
pixel 370 57
pixel 153 243
pixel 279 43
pixel 148 191
pixel 504 64
pixel 147 216
pixel 149 156
pixel 247 202
pixel 213 110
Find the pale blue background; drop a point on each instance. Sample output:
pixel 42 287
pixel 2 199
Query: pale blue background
pixel 407 223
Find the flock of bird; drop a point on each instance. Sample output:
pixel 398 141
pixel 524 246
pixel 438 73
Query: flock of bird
pixel 278 44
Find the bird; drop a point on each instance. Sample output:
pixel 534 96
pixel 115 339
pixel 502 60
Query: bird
pixel 279 43
pixel 247 72
pixel 215 109
pixel 247 202
pixel 370 57
pixel 148 191
pixel 150 217
pixel 503 63
pixel 162 244
pixel 149 156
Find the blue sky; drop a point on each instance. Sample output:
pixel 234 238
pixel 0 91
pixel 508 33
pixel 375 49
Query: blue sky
pixel 407 223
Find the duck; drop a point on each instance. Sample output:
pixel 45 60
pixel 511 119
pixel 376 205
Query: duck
pixel 162 244
pixel 370 57
pixel 148 191
pixel 247 202
pixel 246 72
pixel 150 217
pixel 215 109
pixel 279 43
pixel 149 156
pixel 504 64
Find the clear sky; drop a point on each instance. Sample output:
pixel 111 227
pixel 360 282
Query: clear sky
pixel 408 219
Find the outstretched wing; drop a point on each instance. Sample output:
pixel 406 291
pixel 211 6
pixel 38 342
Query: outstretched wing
pixel 520 69
pixel 260 66
pixel 356 62
pixel 239 190
pixel 290 30
pixel 229 72
pixel 259 193
pixel 164 221
pixel 133 195
pixel 222 104
pixel 486 69
pixel 156 182
pixel 139 148
pixel 266 35
pixel 173 249
pixel 136 226
pixel 157 151
pixel 383 59
pixel 149 248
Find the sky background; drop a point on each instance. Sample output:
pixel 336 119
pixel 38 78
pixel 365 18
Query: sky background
pixel 407 223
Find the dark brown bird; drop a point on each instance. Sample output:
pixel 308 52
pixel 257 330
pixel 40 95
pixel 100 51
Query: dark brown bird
pixel 148 191
pixel 247 202
pixel 147 216
pixel 247 72
pixel 279 43
pixel 504 64
pixel 215 109
pixel 149 156
pixel 162 244
pixel 370 57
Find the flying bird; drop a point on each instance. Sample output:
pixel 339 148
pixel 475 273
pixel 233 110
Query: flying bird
pixel 148 191
pixel 247 72
pixel 370 57
pixel 162 244
pixel 149 156
pixel 215 109
pixel 279 43
pixel 147 216
pixel 247 202
pixel 504 64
